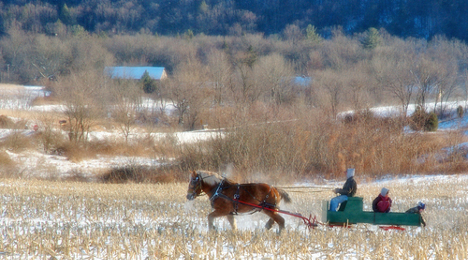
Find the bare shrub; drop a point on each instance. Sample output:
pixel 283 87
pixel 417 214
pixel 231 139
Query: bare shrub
pixel 75 152
pixel 6 122
pixel 7 166
pixel 17 141
pixel 141 174
pixel 48 136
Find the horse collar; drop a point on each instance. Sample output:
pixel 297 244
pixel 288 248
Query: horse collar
pixel 217 192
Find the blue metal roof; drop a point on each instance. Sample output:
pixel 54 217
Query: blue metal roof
pixel 134 72
pixel 302 81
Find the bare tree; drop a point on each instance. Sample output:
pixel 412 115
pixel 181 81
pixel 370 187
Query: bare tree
pixel 127 102
pixel 83 95
pixel 463 81
pixel 341 52
pixel 446 54
pixel 293 33
pixel 220 74
pixel 15 50
pixel 49 56
pixel 425 77
pixel 188 92
pixel 243 89
pixel 393 69
pixel 358 83
pixel 88 53
pixel 274 75
pixel 328 91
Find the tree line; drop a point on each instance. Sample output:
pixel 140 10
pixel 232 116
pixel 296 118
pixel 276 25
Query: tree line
pixel 248 85
pixel 420 19
pixel 343 72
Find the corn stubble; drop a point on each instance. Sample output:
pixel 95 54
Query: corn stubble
pixel 42 219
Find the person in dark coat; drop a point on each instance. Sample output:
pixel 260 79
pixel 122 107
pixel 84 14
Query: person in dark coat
pixel 383 202
pixel 349 190
pixel 418 210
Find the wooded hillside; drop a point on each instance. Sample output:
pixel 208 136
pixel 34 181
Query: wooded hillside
pixel 417 18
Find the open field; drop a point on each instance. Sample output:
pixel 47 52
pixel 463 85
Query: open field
pixel 43 219
pixel 69 220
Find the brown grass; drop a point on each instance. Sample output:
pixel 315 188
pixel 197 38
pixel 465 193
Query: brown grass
pixel 11 86
pixel 314 145
pixel 143 147
pixel 280 143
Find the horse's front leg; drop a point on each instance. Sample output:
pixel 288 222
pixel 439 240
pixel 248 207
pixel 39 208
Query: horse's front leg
pixel 212 216
pixel 232 221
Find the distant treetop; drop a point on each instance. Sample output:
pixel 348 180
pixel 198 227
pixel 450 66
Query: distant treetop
pixel 419 19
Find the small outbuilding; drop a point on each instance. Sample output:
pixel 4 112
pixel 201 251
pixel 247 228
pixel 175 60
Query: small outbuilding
pixel 302 81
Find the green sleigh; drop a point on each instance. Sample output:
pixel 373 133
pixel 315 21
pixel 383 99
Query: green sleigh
pixel 352 212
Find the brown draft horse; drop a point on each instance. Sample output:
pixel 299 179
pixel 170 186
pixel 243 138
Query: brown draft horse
pixel 229 198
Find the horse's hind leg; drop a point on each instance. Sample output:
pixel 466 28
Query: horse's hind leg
pixel 269 224
pixel 232 221
pixel 274 217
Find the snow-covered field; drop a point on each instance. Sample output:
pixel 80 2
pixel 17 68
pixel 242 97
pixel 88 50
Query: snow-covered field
pixel 54 220
pixel 44 220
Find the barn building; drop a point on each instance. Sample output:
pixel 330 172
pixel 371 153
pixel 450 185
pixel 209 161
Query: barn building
pixel 157 73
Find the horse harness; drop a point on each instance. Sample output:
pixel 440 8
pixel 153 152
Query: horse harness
pixel 219 194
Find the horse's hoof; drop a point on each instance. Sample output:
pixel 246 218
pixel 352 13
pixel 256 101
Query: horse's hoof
pixel 279 231
pixel 213 229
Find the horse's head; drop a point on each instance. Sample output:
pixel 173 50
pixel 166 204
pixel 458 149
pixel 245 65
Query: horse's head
pixel 195 186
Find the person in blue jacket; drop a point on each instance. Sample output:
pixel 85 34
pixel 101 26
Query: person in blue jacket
pixel 349 190
pixel 418 210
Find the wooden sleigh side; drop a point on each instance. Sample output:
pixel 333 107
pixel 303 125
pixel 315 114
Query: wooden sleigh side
pixel 352 212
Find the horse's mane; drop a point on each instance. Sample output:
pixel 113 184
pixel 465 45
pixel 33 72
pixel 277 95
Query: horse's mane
pixel 216 178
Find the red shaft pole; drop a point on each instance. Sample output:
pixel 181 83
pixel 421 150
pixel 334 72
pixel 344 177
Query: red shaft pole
pixel 306 220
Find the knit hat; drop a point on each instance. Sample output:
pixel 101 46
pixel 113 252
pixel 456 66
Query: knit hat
pixel 421 205
pixel 384 191
pixel 350 173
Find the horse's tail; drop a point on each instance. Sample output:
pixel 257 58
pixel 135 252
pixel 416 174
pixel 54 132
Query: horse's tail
pixel 284 195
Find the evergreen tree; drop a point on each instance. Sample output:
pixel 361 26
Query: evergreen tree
pixel 372 38
pixel 203 8
pixel 432 122
pixel 149 84
pixel 188 35
pixel 65 15
pixel 312 35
